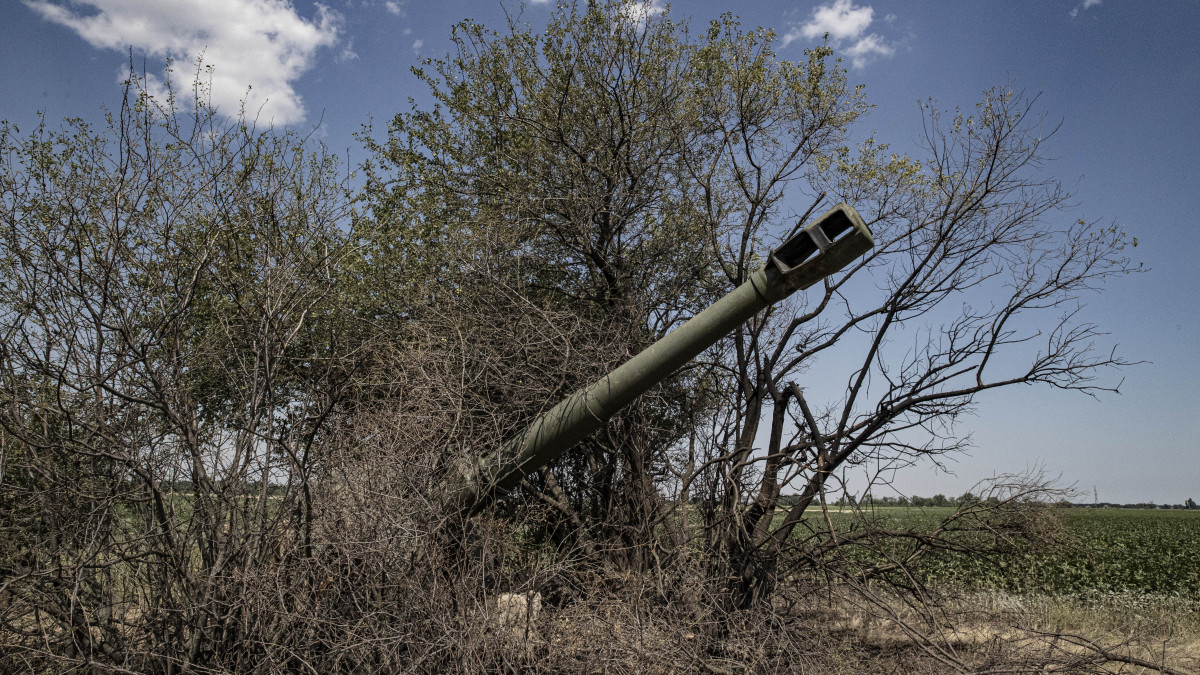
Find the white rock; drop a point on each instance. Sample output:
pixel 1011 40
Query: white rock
pixel 518 612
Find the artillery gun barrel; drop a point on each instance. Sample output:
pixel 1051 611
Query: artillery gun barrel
pixel 820 249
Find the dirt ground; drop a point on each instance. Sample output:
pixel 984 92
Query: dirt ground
pixel 979 633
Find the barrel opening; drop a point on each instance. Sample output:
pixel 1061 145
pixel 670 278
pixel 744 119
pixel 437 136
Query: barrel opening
pixel 812 240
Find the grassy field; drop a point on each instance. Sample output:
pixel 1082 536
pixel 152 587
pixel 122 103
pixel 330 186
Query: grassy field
pixel 1122 551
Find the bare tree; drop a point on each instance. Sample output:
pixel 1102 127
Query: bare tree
pixel 972 286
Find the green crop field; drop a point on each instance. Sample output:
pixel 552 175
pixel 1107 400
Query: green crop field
pixel 1108 550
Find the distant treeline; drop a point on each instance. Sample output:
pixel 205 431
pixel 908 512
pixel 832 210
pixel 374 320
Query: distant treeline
pixel 901 500
pixel 1189 505
pixel 969 498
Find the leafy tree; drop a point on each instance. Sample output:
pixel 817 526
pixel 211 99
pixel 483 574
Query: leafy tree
pixel 627 171
pixel 575 167
pixel 171 315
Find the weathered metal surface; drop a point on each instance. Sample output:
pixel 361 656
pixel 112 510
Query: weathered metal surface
pixel 824 247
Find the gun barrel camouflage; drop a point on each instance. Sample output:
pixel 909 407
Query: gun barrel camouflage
pixel 824 247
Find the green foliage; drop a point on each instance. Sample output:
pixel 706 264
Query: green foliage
pixel 598 153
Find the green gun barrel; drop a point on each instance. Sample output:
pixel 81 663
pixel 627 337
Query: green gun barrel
pixel 824 247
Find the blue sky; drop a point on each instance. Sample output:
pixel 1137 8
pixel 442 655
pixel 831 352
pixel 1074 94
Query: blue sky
pixel 1123 77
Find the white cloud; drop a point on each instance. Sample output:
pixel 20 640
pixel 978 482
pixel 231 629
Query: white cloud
pixel 394 7
pixel 263 45
pixel 1087 4
pixel 846 24
pixel 842 20
pixel 417 44
pixel 348 53
pixel 866 47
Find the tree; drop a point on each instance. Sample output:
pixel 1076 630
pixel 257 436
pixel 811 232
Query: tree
pixel 563 170
pixel 174 345
pixel 572 163
pixel 970 276
pixel 579 162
